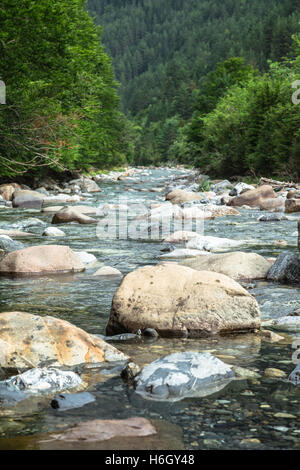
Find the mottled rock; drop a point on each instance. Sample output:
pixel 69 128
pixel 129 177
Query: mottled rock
pixel 286 269
pixel 37 381
pixel 179 301
pixel 30 341
pixel 182 375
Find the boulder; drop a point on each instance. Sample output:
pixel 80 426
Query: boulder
pixel 68 214
pixel 254 197
pixel 30 341
pixel 179 196
pixel 178 301
pixel 37 381
pixel 86 258
pixel 108 271
pixel 272 204
pixel 236 265
pixel 241 188
pixel 86 185
pixel 292 205
pixel 183 375
pixel 208 243
pixel 7 190
pixel 25 199
pixel 44 259
pixel 286 269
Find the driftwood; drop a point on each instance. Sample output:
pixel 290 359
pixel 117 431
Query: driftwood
pixel 277 184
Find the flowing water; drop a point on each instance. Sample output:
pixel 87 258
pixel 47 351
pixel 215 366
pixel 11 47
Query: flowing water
pixel 259 412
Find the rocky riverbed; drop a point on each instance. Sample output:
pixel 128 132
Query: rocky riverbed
pixel 142 266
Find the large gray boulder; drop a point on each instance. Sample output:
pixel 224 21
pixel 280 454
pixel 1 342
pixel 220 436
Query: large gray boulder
pixel 178 301
pixel 182 375
pixel 286 269
pixel 25 199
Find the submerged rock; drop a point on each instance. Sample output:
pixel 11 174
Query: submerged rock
pixel 237 265
pixel 69 401
pixel 178 301
pixel 272 218
pixel 107 271
pixel 37 381
pixel 8 245
pixel 44 259
pixel 53 232
pixel 213 243
pixel 184 253
pixel 30 341
pixel 102 430
pixel 85 258
pixel 290 324
pixel 182 375
pixel 286 269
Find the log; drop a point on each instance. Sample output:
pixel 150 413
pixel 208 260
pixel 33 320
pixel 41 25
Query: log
pixel 277 184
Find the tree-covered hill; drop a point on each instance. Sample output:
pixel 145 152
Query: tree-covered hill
pixel 208 82
pixel 150 40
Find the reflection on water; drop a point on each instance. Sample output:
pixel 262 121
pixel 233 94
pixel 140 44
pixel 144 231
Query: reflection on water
pixel 255 412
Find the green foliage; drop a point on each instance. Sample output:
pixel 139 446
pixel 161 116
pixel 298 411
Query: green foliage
pixel 254 128
pixel 62 106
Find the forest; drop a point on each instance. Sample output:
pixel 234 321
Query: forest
pixel 61 112
pixel 182 66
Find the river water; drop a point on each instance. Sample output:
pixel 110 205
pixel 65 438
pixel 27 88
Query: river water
pixel 255 413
